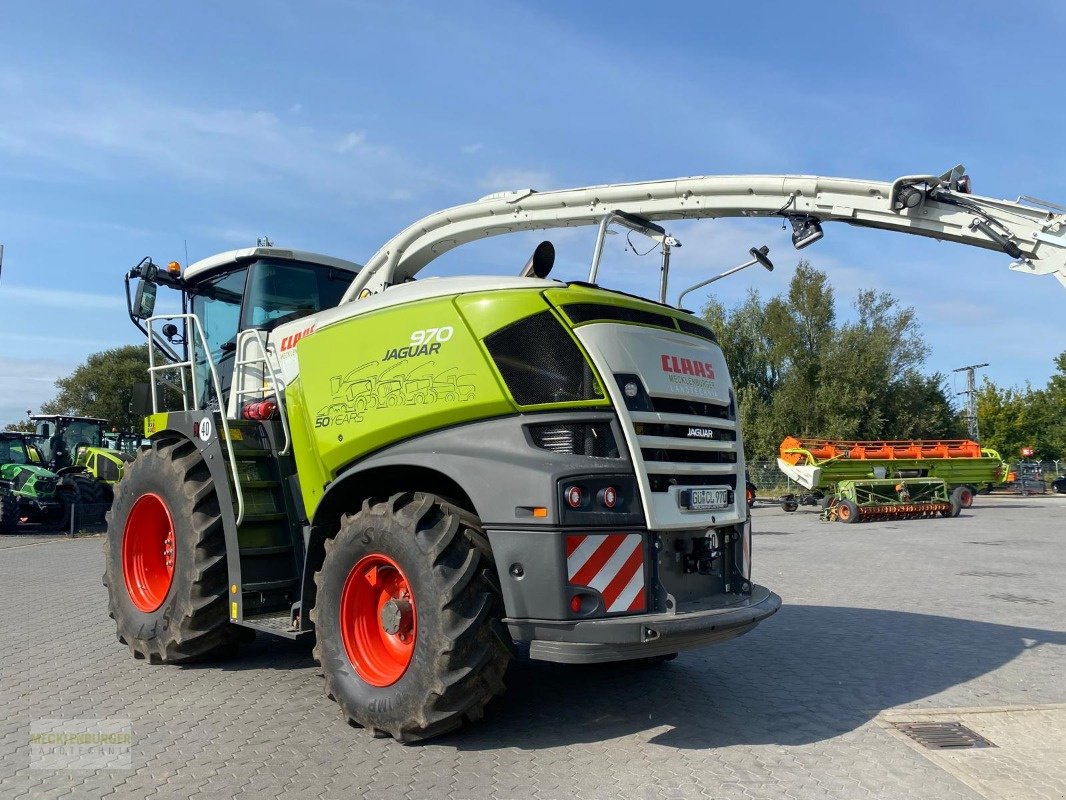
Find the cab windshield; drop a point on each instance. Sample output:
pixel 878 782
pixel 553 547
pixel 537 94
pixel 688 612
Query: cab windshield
pixel 60 443
pixel 13 451
pixel 262 295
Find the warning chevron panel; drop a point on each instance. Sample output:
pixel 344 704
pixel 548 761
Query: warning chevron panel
pixel 612 564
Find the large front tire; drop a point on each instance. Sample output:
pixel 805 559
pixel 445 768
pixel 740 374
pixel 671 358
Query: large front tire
pixel 407 618
pixel 165 558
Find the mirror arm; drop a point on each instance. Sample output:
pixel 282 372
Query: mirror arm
pixel 759 256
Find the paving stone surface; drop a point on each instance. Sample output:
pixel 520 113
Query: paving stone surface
pixel 903 617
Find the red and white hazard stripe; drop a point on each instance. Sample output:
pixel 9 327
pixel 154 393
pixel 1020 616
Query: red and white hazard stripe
pixel 612 564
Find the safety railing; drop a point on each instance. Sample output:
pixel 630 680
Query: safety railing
pixel 263 362
pixel 192 324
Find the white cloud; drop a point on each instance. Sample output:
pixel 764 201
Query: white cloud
pixel 59 298
pixel 351 141
pixel 25 384
pixel 108 132
pixel 470 149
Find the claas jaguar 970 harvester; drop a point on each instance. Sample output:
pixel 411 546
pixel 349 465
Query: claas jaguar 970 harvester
pixel 422 473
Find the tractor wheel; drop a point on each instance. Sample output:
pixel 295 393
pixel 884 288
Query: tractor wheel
pixel 789 503
pixel 407 618
pixel 88 497
pixel 956 504
pixel 165 558
pixel 9 513
pixel 827 501
pixel 847 511
pixel 964 494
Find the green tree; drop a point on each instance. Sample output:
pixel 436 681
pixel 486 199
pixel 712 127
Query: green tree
pixel 797 371
pixel 103 387
pixel 1012 418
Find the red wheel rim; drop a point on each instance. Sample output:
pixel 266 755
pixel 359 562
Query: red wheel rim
pixel 844 512
pixel 148 552
pixel 378 620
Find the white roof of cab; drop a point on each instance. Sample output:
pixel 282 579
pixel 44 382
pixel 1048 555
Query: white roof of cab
pixel 222 261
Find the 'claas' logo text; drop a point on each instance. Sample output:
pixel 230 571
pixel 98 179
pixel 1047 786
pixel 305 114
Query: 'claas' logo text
pixel 289 342
pixel 686 366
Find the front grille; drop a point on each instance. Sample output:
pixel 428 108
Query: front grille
pixel 687 456
pixel 685 432
pixel 674 458
pixel 662 483
pixel 540 363
pixel 676 405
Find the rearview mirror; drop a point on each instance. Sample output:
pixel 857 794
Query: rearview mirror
pixel 144 299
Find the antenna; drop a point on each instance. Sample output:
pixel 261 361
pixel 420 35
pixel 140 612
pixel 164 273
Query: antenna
pixel 971 399
pixel 186 242
pixel 1 259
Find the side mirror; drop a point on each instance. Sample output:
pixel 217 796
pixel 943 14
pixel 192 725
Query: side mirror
pixel 45 430
pixel 144 299
pixel 541 262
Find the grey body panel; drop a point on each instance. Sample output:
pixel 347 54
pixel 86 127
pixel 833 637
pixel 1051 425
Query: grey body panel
pixel 497 466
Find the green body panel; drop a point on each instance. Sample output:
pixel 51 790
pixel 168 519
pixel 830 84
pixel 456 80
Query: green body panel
pixel 387 376
pixel 30 488
pixel 89 457
pixel 365 385
pixel 155 422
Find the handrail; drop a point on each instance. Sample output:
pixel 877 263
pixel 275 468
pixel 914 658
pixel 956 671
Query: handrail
pixel 275 380
pixel 153 368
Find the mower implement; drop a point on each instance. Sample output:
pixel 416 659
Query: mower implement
pixel 420 473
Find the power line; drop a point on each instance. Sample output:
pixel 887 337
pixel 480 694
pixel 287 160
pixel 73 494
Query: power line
pixel 971 399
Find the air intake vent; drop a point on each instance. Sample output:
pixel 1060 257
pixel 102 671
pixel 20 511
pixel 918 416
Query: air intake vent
pixel 589 312
pixel 697 330
pixel 540 363
pixel 577 439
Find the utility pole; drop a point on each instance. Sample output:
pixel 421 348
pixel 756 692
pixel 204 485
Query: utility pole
pixel 971 399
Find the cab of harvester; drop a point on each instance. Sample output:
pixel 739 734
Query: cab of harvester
pixel 422 472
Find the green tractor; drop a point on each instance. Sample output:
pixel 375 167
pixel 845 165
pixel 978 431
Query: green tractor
pixel 28 491
pixel 75 447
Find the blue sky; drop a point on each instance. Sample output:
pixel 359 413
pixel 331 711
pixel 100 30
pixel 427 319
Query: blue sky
pixel 129 129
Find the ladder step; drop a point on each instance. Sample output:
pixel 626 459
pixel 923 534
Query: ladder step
pixel 271 517
pixel 264 586
pixel 247 452
pixel 260 484
pixel 266 551
pixel 278 623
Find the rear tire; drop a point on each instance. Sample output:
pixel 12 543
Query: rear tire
pixel 88 496
pixel 446 658
pixel 847 511
pixel 9 513
pixel 190 621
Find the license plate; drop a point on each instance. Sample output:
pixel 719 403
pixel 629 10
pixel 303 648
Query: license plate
pixel 704 499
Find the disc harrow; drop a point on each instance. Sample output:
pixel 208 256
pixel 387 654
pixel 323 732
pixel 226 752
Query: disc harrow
pixel 886 499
